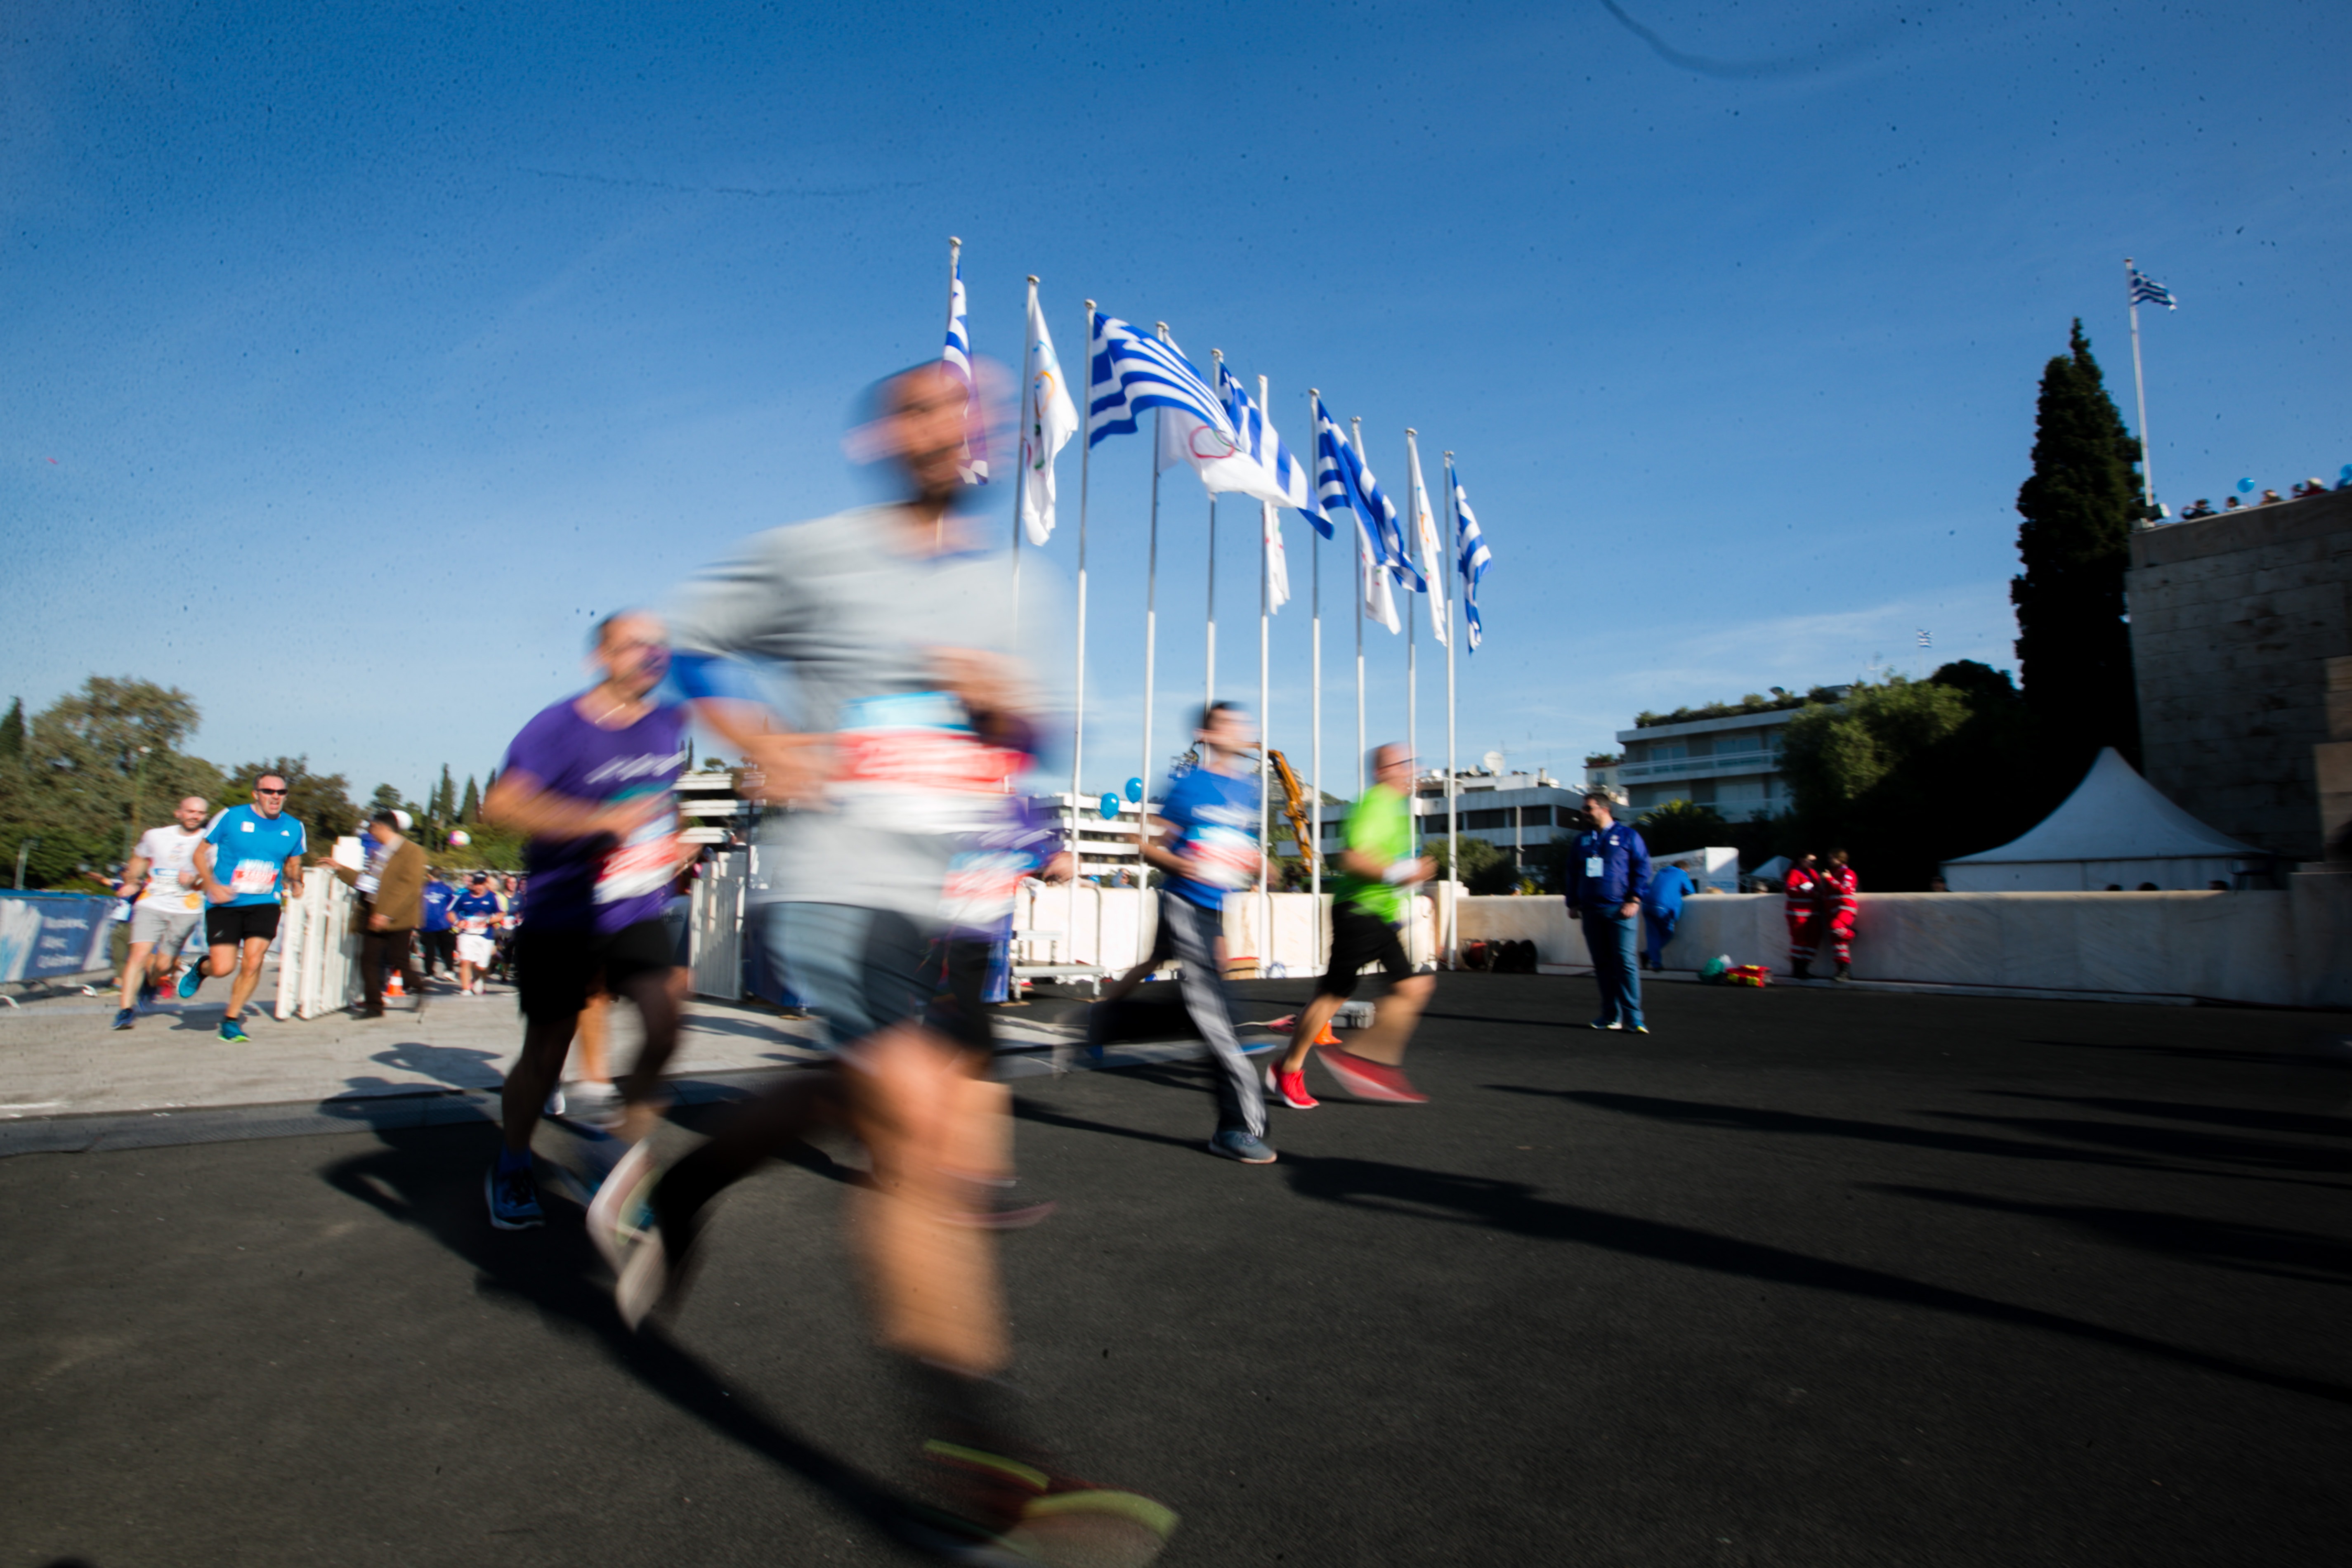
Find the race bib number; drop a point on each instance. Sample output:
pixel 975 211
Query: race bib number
pixel 981 888
pixel 1222 858
pixel 643 863
pixel 1592 865
pixel 910 764
pixel 253 876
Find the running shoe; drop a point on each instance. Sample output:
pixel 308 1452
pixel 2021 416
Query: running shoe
pixel 1290 1087
pixel 125 1018
pixel 513 1197
pixel 146 993
pixel 620 1215
pixel 1234 1143
pixel 234 1032
pixel 554 1106
pixel 1597 1024
pixel 1368 1080
pixel 1011 1511
pixel 190 978
pixel 1637 1030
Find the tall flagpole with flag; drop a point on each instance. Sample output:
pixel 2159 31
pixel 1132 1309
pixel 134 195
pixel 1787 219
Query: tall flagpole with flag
pixel 1209 681
pixel 1028 423
pixel 1363 591
pixel 1411 698
pixel 1453 827
pixel 1079 738
pixel 2141 287
pixel 1267 539
pixel 1314 680
pixel 1150 652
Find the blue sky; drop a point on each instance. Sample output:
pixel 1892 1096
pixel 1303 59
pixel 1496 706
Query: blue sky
pixel 356 356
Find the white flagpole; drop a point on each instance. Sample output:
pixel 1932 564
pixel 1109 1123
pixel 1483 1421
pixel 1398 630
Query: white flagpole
pixel 2139 386
pixel 1363 587
pixel 1315 761
pixel 1453 828
pixel 1078 741
pixel 1412 673
pixel 1265 526
pixel 955 254
pixel 1150 652
pixel 1021 447
pixel 1209 684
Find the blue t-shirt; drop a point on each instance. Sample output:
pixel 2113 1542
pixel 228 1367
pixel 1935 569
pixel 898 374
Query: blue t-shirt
pixel 472 906
pixel 438 896
pixel 1215 815
pixel 250 852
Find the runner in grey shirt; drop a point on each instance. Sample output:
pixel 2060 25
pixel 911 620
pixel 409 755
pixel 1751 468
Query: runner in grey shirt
pixel 910 722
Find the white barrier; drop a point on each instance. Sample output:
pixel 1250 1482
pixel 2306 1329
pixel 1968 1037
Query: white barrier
pixel 2283 948
pixel 1114 928
pixel 316 949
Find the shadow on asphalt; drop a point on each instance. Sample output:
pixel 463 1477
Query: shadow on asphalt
pixel 432 1178
pixel 2252 1249
pixel 1515 1207
pixel 2330 1054
pixel 2301 1124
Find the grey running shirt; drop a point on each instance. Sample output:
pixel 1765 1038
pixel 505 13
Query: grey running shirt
pixel 853 618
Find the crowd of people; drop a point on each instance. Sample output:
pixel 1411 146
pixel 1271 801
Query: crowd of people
pixel 2314 486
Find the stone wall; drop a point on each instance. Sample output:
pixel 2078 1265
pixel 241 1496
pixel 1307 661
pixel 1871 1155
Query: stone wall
pixel 2232 620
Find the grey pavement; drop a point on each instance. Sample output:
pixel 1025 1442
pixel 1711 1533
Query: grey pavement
pixel 1802 1278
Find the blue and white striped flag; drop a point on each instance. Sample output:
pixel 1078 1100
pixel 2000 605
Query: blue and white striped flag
pixel 1342 481
pixel 1262 443
pixel 957 357
pixel 1475 557
pixel 2146 290
pixel 1130 372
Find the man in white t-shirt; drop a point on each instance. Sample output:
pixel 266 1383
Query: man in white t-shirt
pixel 170 903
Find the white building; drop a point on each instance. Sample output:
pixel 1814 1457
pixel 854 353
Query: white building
pixel 1731 762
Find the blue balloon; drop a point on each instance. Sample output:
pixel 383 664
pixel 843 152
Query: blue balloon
pixel 2246 487
pixel 1135 786
pixel 1110 807
pixel 2345 473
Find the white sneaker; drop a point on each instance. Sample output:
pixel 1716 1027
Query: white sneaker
pixel 555 1101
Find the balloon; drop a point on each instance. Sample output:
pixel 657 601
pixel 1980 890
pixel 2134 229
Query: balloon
pixel 1110 807
pixel 2345 473
pixel 2246 487
pixel 1135 786
pixel 460 838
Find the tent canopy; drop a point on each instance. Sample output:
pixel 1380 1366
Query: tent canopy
pixel 2114 815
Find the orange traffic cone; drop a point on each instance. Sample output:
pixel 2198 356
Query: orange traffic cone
pixel 393 987
pixel 1327 1038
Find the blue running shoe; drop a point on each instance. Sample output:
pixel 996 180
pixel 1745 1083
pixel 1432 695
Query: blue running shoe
pixel 1236 1144
pixel 126 1017
pixel 513 1197
pixel 234 1032
pixel 190 978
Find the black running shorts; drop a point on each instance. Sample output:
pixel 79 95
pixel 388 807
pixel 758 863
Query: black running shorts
pixel 555 970
pixel 1357 938
pixel 227 925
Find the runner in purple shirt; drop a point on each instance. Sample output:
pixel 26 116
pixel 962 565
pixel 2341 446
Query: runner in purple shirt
pixel 588 779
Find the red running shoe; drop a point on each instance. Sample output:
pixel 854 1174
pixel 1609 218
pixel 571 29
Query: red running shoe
pixel 1368 1080
pixel 1290 1087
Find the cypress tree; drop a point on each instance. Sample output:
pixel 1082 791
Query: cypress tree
pixel 445 797
pixel 2073 645
pixel 12 731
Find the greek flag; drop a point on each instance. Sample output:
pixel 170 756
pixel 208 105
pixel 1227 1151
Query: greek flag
pixel 1128 373
pixel 2146 290
pixel 957 357
pixel 1344 483
pixel 1474 557
pixel 1259 439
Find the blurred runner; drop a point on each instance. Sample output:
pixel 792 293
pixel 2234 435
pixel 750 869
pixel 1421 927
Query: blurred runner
pixel 1376 870
pixel 588 779
pixel 891 622
pixel 1210 817
pixel 475 912
pixel 170 903
pixel 250 854
pixel 438 937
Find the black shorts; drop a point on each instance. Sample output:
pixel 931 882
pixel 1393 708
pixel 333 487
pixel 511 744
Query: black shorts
pixel 555 970
pixel 1357 938
pixel 227 925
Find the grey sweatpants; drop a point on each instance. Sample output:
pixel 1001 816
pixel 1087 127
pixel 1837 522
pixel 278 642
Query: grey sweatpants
pixel 1192 931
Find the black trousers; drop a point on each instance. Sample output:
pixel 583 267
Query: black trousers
pixel 439 950
pixel 380 949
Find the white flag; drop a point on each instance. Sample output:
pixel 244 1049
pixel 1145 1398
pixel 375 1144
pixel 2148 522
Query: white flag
pixel 1223 462
pixel 1277 564
pixel 1424 528
pixel 1379 598
pixel 1048 420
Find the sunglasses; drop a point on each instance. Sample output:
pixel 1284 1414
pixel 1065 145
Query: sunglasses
pixel 269 792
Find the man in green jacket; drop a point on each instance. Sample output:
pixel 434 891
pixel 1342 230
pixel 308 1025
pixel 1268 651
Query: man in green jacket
pixel 1377 869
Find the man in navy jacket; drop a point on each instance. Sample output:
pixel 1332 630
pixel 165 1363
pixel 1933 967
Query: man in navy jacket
pixel 1607 872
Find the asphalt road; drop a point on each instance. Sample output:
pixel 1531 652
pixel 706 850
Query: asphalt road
pixel 1805 1277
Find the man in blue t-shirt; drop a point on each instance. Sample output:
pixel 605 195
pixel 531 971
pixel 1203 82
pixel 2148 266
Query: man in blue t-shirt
pixel 1204 839
pixel 250 853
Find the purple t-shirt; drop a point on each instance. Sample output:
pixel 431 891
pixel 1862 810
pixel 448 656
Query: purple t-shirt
pixel 601 882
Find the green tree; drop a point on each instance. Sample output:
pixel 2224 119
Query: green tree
pixel 1680 825
pixel 2073 645
pixel 12 731
pixel 321 802
pixel 1487 868
pixel 471 810
pixel 443 808
pixel 385 798
pixel 97 765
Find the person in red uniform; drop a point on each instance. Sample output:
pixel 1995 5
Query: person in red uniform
pixel 1836 901
pixel 1802 882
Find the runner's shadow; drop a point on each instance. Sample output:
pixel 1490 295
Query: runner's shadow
pixel 432 1178
pixel 460 1067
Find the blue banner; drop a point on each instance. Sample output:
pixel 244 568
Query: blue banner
pixel 50 934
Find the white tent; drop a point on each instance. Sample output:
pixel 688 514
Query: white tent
pixel 2115 830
